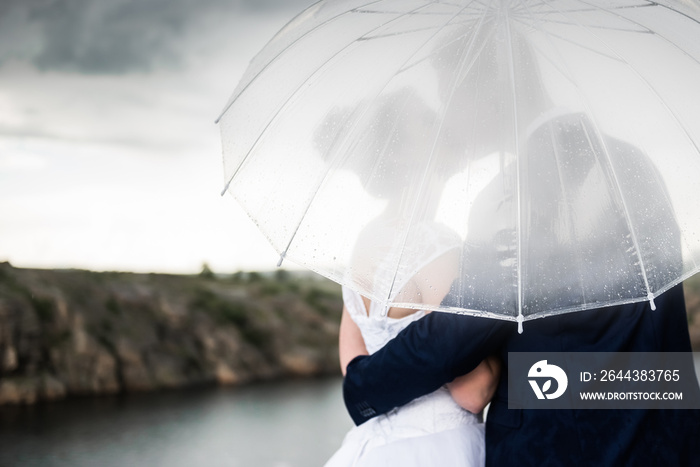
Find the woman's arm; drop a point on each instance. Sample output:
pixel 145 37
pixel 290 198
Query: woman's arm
pixel 475 389
pixel 350 343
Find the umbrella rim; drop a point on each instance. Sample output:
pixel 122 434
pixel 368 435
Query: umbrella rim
pixel 520 319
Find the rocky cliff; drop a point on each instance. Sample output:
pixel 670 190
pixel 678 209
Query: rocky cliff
pixel 69 332
pixel 66 332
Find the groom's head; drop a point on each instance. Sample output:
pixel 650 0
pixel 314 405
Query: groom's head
pixel 556 224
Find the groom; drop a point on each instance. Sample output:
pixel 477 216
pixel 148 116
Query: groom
pixel 442 346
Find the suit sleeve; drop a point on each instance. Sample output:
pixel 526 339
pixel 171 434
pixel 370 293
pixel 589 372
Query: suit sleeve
pixel 427 354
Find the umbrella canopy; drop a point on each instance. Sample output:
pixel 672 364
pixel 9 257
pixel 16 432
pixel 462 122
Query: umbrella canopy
pixel 535 156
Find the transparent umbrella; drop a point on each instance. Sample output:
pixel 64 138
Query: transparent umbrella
pixel 536 156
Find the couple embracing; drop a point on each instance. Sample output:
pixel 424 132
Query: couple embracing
pixel 416 382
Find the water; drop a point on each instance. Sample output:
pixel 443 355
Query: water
pixel 298 423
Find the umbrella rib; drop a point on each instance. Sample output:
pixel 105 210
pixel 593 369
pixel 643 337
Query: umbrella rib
pixel 566 39
pixel 453 23
pixel 483 4
pixel 607 28
pixel 364 112
pixel 390 12
pixel 595 8
pixel 289 98
pixel 618 187
pixel 675 11
pixel 653 90
pixel 462 8
pixel 442 2
pixel 557 157
pixel 435 51
pixel 628 219
pixel 518 226
pixel 274 59
pixel 469 180
pixel 534 5
pixel 421 186
pixel 428 13
pixel 399 33
pixel 556 65
pixel 562 187
pixel 676 46
pixel 668 109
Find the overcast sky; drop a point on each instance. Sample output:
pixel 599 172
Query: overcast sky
pixel 109 157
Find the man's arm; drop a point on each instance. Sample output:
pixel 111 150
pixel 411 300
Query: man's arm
pixel 427 354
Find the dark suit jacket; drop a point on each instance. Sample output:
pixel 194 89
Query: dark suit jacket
pixel 436 349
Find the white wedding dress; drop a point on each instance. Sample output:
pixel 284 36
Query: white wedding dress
pixel 429 431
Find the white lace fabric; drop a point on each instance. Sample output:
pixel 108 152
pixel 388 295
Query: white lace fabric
pixel 430 430
pixel 427 414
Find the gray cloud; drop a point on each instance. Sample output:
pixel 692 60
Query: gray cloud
pixel 114 36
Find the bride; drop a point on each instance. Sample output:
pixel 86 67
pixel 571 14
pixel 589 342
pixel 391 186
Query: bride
pixel 442 428
pixel 445 427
